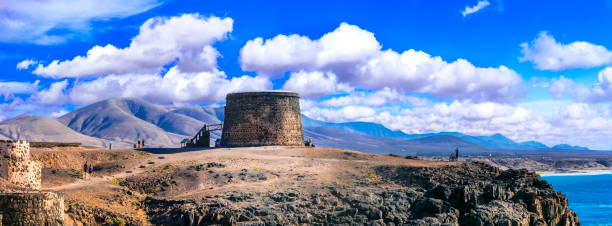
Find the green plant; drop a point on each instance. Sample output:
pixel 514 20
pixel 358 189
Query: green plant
pixel 118 181
pixel 119 221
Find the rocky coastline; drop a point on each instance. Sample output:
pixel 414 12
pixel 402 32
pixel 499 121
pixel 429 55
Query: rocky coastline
pixel 467 194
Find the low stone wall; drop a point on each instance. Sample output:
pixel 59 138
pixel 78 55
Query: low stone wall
pixel 35 208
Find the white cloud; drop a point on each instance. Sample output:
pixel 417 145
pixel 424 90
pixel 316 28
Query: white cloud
pixel 344 114
pixel 378 98
pixel 603 91
pixel 10 88
pixel 575 111
pixel 54 95
pixel 44 22
pixel 600 92
pixel 564 86
pixel 175 87
pixel 548 54
pixel 416 71
pixel 184 43
pixel 343 47
pixel 480 5
pixel 314 84
pixel 25 64
pixel 59 113
pixel 417 101
pixel 186 40
pixel 355 57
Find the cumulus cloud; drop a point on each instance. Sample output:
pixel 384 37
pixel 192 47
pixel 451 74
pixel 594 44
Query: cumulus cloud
pixel 54 95
pixel 314 84
pixel 50 22
pixel 562 86
pixel 25 64
pixel 479 6
pixel 185 41
pixel 183 44
pixel 346 46
pixel 175 87
pixel 603 90
pixel 355 57
pixel 343 114
pixel 378 98
pixel 10 88
pixel 548 54
pixel 600 92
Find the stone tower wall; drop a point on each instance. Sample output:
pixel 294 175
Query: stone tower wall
pixel 15 149
pixel 16 166
pixel 33 208
pixel 262 118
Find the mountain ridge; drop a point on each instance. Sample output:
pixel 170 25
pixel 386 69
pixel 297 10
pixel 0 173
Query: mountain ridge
pixel 127 120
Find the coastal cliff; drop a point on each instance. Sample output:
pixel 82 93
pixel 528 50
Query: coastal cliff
pixel 467 194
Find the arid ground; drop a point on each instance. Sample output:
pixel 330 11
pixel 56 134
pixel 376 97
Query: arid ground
pixel 195 174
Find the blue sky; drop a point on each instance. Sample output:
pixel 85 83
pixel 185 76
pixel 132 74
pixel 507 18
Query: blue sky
pixel 531 70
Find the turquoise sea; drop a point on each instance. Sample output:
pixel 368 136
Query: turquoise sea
pixel 589 194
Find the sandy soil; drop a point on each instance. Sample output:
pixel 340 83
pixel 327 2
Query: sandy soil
pixel 125 176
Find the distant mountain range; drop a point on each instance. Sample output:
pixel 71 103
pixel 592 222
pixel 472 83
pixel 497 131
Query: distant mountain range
pixel 378 130
pixel 124 121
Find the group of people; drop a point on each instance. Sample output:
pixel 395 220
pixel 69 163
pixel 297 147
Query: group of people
pixel 87 169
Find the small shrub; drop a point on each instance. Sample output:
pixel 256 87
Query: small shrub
pixel 119 221
pixel 118 181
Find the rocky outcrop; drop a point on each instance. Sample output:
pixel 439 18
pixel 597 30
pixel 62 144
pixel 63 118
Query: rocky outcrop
pixel 482 194
pixel 468 194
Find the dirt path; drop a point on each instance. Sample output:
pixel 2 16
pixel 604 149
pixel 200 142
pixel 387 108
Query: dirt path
pixel 126 173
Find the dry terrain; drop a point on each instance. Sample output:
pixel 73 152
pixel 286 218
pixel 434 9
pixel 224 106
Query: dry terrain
pixel 291 185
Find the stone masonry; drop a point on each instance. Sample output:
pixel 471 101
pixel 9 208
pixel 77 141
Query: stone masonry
pixel 262 118
pixel 16 166
pixel 28 207
pixel 32 208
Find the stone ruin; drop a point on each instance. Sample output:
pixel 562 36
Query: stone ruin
pixel 16 166
pixel 30 206
pixel 262 118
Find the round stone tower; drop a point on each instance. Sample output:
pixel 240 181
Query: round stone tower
pixel 262 118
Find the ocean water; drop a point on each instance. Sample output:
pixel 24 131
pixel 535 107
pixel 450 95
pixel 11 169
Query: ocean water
pixel 588 194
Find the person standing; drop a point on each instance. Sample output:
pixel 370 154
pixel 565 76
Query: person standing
pixel 90 170
pixel 85 168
